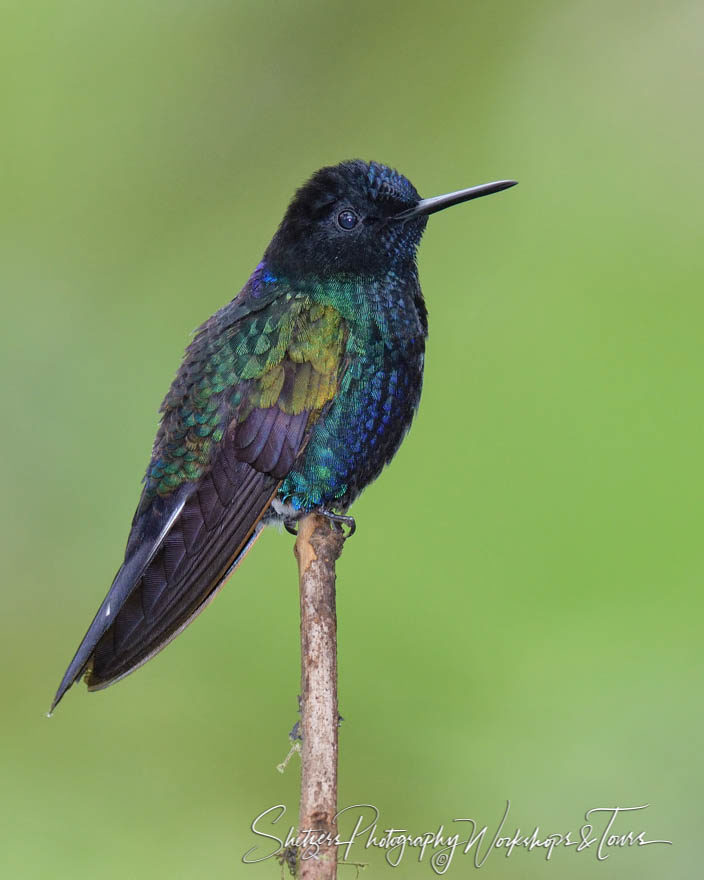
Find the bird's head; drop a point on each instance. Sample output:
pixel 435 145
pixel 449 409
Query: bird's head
pixel 357 218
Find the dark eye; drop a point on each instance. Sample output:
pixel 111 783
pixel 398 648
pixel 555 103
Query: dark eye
pixel 347 219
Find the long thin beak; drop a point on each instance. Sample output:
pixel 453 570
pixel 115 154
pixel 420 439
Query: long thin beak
pixel 438 203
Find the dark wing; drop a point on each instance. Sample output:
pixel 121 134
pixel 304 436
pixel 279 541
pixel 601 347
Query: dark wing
pixel 237 416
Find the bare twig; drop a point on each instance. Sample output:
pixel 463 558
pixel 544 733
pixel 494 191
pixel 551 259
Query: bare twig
pixel 317 548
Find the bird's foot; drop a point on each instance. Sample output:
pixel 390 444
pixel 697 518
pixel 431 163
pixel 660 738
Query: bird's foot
pixel 338 520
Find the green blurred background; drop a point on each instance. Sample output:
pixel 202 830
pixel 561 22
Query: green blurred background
pixel 520 610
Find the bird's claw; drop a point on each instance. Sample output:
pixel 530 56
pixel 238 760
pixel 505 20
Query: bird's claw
pixel 339 520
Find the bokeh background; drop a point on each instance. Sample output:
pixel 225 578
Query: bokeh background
pixel 520 610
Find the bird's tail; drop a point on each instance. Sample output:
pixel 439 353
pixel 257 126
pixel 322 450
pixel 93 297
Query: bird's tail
pixel 181 551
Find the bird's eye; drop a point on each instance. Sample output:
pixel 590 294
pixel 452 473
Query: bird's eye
pixel 347 220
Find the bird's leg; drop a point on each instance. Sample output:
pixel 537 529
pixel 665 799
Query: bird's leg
pixel 339 520
pixel 291 526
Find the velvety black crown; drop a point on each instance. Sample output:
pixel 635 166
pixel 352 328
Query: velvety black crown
pixel 343 220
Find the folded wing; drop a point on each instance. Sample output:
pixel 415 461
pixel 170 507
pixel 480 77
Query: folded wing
pixel 236 418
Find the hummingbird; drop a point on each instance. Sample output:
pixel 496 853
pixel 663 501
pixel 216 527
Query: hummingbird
pixel 290 399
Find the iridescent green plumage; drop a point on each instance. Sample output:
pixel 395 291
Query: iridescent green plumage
pixel 288 356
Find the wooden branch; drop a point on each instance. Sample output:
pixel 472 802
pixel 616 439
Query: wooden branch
pixel 317 548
